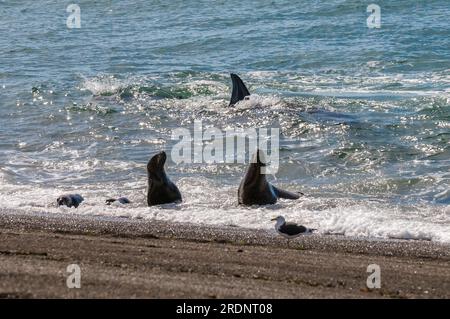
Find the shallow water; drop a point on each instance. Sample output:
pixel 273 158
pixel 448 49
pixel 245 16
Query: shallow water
pixel 364 114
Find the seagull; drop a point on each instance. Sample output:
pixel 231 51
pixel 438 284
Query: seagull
pixel 290 230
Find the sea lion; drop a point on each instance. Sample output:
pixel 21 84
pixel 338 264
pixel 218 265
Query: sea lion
pixel 122 200
pixel 160 189
pixel 70 200
pixel 240 91
pixel 256 190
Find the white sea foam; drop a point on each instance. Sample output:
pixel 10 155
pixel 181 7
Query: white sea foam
pixel 359 84
pixel 60 164
pixel 256 100
pixel 104 84
pixel 219 206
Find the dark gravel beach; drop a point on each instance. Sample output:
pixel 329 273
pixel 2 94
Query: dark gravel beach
pixel 128 258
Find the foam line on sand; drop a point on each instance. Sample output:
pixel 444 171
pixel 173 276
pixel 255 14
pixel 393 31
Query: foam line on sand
pixel 122 257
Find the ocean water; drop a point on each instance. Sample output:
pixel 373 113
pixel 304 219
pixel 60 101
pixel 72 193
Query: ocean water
pixel 364 114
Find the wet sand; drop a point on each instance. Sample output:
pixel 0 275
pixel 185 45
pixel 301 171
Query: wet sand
pixel 130 258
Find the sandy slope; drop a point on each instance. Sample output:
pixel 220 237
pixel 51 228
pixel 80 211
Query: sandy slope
pixel 136 258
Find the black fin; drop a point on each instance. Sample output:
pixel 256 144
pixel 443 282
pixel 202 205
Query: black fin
pixel 240 91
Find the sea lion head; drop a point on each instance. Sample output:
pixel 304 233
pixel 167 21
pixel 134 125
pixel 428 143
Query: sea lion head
pixel 64 201
pixel 156 164
pixel 258 159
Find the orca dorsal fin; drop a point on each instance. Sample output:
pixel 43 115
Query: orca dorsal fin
pixel 240 91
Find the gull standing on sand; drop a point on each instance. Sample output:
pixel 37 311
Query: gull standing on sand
pixel 290 230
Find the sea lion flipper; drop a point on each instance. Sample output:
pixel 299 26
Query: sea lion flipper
pixel 240 91
pixel 285 194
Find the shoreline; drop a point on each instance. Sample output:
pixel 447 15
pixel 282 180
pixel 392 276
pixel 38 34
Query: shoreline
pixel 126 258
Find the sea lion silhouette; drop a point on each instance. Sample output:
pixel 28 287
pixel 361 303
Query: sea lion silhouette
pixel 70 200
pixel 256 190
pixel 161 190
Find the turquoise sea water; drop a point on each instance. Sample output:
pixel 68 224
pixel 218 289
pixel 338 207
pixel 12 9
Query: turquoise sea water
pixel 364 114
